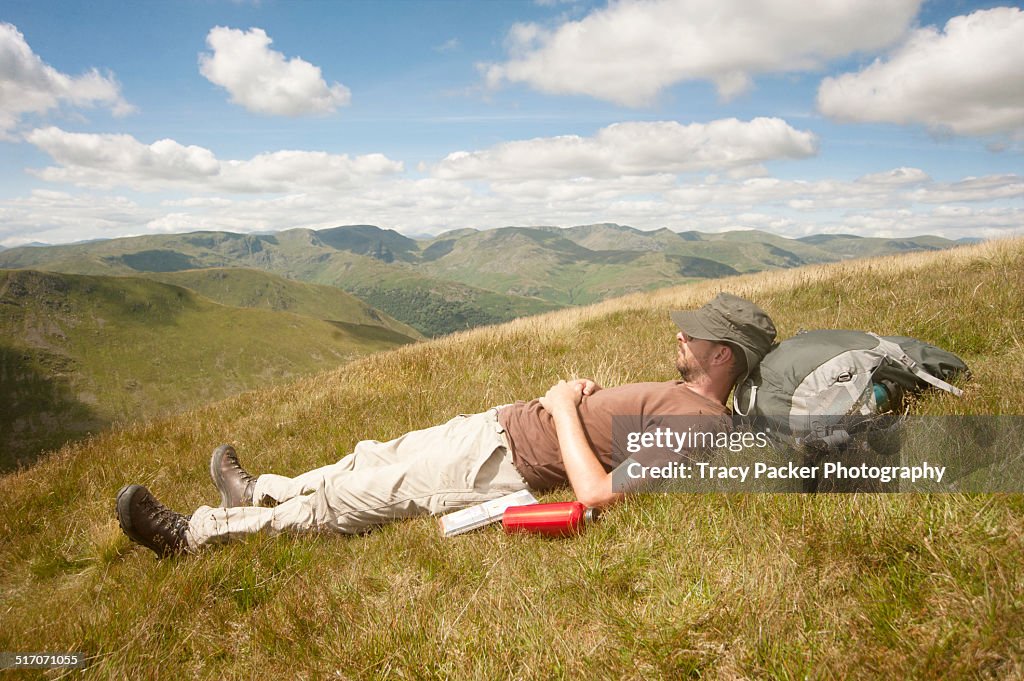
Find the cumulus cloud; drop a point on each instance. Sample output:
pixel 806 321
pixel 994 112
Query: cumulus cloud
pixel 949 221
pixel 60 217
pixel 972 189
pixel 896 177
pixel 29 85
pixel 121 160
pixel 635 148
pixel 263 80
pixel 631 50
pixel 898 187
pixel 965 79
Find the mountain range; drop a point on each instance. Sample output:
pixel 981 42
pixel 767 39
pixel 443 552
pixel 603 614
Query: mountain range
pixel 466 278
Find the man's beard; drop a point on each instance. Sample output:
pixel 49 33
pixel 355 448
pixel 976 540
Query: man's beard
pixel 690 371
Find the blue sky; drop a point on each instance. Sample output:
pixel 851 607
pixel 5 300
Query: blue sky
pixel 887 118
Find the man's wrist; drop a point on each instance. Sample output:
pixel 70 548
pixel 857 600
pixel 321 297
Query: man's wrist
pixel 564 407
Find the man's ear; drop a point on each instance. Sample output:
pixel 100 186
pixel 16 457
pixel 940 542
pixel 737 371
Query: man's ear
pixel 723 354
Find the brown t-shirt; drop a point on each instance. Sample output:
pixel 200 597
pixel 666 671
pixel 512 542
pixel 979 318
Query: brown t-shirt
pixel 531 429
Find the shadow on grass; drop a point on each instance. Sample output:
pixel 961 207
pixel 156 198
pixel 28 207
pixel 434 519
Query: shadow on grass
pixel 39 410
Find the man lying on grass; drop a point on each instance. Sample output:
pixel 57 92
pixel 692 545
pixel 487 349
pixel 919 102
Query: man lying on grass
pixel 563 438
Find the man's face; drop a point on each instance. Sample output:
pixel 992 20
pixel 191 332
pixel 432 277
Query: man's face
pixel 692 356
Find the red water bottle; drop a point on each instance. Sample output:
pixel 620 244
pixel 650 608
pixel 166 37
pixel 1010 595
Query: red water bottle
pixel 554 520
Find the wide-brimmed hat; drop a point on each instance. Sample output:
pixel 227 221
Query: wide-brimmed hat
pixel 727 318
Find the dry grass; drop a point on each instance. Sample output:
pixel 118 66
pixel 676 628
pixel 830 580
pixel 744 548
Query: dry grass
pixel 671 586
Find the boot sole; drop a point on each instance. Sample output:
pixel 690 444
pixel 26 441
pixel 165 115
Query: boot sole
pixel 124 517
pixel 218 482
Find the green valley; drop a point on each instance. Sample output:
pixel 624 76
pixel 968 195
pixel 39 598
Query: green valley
pixel 79 353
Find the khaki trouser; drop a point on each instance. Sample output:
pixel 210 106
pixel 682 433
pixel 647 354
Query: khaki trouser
pixel 457 464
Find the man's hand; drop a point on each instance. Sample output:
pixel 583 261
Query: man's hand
pixel 588 478
pixel 568 394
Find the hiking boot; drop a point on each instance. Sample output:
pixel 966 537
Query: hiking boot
pixel 230 478
pixel 148 522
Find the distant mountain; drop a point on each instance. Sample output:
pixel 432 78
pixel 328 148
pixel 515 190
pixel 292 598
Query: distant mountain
pixel 384 245
pixel 850 246
pixel 468 277
pixel 369 262
pixel 591 262
pixel 552 264
pixel 80 352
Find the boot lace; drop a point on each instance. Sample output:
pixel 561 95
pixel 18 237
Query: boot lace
pixel 167 523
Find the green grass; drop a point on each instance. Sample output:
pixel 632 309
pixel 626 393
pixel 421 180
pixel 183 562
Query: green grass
pixel 664 586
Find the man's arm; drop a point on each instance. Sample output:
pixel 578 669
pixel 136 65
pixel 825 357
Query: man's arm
pixel 590 482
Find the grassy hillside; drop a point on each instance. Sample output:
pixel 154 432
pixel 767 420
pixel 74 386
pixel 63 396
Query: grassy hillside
pixel 664 586
pixel 239 287
pixel 433 305
pixel 78 353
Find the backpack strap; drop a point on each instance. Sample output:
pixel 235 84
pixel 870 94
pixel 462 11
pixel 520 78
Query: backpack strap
pixel 896 352
pixel 750 403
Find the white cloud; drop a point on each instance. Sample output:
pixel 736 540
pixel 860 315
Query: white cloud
pixel 872 192
pixel 635 148
pixel 450 45
pixel 631 50
pixel 582 191
pixel 263 80
pixel 966 79
pixel 107 161
pixel 29 85
pixel 988 188
pixel 947 221
pixel 896 177
pixel 61 217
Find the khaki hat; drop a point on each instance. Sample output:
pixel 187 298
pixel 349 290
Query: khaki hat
pixel 730 319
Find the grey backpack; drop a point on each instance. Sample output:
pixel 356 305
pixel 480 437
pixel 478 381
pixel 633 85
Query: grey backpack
pixel 810 387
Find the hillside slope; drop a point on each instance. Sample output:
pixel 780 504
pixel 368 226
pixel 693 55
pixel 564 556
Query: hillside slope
pixel 240 287
pixel 78 353
pixel 663 587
